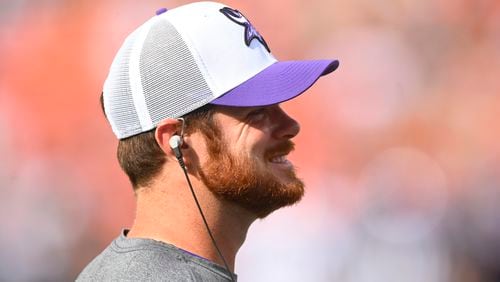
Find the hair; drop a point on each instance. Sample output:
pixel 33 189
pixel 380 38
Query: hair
pixel 140 156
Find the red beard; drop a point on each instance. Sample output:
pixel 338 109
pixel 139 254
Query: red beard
pixel 248 181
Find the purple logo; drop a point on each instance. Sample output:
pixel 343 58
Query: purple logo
pixel 250 32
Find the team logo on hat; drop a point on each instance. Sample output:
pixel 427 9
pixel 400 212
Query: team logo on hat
pixel 250 32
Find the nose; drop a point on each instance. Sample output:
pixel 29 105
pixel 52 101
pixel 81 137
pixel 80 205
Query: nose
pixel 286 127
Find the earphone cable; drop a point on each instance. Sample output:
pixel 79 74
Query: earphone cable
pixel 183 166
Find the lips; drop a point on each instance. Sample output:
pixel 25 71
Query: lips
pixel 279 159
pixel 278 154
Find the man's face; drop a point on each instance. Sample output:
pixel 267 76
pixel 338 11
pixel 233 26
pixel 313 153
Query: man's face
pixel 247 161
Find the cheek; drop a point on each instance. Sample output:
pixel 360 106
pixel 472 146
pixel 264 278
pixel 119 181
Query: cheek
pixel 199 153
pixel 256 146
pixel 250 147
pixel 249 139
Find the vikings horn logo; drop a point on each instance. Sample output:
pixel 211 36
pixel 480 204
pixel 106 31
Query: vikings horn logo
pixel 250 32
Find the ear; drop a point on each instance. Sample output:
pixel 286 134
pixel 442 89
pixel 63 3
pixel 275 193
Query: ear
pixel 164 131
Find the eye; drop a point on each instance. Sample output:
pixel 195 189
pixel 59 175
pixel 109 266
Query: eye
pixel 257 114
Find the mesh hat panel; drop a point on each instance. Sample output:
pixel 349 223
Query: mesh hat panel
pixel 172 82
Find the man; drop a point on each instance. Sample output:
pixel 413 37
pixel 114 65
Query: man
pixel 206 63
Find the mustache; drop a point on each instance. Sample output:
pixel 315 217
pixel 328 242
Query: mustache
pixel 283 148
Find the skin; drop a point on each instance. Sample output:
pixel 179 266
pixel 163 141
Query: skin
pixel 166 210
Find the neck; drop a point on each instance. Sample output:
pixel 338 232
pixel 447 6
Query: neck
pixel 171 216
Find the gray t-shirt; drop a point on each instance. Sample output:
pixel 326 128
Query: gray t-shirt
pixel 135 259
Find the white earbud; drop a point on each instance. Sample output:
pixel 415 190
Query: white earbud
pixel 175 143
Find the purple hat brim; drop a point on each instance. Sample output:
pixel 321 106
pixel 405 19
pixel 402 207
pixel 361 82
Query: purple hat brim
pixel 277 83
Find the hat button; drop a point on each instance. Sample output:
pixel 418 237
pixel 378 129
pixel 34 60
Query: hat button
pixel 161 11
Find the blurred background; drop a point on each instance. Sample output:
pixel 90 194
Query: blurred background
pixel 399 147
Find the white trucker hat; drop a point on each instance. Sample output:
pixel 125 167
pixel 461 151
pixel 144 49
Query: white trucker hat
pixel 193 55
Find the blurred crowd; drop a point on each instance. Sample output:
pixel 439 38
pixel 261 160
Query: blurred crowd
pixel 398 148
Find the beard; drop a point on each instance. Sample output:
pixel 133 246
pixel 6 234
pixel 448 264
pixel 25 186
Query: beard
pixel 248 181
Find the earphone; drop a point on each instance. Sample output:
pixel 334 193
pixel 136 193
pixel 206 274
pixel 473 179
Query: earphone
pixel 175 143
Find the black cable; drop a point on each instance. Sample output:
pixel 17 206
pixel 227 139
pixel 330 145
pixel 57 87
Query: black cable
pixel 183 166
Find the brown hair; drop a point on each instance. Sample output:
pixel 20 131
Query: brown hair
pixel 141 158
